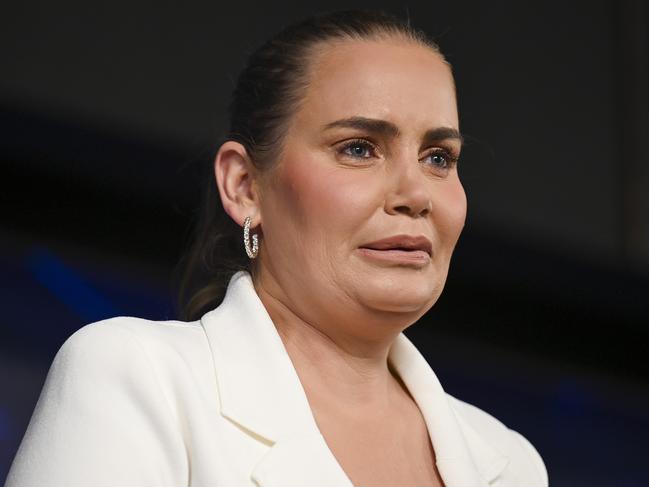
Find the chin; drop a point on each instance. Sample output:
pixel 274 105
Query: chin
pixel 413 296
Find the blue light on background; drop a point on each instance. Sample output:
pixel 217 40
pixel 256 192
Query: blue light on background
pixel 68 286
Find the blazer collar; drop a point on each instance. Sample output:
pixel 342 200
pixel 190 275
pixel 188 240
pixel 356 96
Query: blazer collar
pixel 260 391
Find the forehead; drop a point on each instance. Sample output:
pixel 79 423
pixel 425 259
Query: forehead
pixel 396 80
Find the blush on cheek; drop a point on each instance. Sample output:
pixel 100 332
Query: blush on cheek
pixel 451 211
pixel 316 191
pixel 293 191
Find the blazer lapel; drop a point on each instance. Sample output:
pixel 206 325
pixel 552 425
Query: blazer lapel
pixel 299 461
pixel 464 458
pixel 260 391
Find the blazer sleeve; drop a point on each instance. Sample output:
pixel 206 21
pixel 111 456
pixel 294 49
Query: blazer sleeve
pixel 101 419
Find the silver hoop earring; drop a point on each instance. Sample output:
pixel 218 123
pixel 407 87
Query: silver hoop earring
pixel 252 253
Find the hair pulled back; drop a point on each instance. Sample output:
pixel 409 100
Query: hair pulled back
pixel 268 92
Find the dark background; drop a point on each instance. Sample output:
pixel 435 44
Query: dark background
pixel 110 113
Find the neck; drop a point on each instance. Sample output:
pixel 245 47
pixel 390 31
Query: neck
pixel 337 369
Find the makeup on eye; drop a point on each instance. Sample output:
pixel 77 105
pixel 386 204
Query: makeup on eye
pixel 449 156
pixel 356 143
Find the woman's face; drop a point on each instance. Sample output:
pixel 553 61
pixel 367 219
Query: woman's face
pixel 369 155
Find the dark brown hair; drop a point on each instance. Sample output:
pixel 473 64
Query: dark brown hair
pixel 267 93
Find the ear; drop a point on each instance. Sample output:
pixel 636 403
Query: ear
pixel 236 179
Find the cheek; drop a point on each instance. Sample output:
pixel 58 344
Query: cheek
pixel 450 212
pixel 324 200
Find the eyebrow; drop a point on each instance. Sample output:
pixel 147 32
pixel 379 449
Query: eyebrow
pixel 388 129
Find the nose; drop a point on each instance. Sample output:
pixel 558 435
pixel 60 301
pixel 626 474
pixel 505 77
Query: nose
pixel 408 192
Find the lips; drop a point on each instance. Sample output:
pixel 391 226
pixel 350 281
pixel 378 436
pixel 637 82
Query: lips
pixel 402 242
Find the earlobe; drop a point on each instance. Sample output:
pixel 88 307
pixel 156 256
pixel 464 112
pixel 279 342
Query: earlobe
pixel 235 175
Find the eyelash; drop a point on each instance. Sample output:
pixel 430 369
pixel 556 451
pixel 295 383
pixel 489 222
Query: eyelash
pixel 451 159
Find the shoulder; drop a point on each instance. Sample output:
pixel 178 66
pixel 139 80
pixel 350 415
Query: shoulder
pixel 124 350
pixel 124 327
pixel 124 355
pixel 120 337
pixel 109 399
pixel 523 456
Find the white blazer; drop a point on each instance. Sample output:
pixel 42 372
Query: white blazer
pixel 217 403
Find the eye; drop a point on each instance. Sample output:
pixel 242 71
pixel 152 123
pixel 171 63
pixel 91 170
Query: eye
pixel 358 149
pixel 442 159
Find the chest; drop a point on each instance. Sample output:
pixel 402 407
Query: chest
pixel 397 451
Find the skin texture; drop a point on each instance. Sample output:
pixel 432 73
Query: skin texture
pixel 336 309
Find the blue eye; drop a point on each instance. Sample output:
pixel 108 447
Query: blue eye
pixel 363 149
pixel 441 159
pixel 359 149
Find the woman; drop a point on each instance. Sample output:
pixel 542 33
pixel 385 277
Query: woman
pixel 341 165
